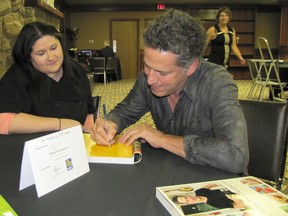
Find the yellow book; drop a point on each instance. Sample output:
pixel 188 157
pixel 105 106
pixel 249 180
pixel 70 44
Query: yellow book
pixel 117 153
pixel 5 208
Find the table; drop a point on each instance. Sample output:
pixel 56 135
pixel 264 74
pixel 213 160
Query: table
pixel 108 189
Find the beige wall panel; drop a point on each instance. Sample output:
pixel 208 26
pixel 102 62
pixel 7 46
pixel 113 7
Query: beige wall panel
pixel 268 26
pixel 95 26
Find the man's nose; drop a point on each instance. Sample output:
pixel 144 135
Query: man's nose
pixel 151 77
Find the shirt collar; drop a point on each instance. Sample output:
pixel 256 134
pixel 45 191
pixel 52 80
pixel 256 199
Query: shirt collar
pixel 191 86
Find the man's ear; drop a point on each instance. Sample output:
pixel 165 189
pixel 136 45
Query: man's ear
pixel 192 68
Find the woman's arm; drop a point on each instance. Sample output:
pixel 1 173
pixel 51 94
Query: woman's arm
pixel 27 123
pixel 210 35
pixel 235 49
pixel 5 122
pixel 88 123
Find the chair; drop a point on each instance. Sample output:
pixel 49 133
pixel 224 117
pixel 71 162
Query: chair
pixel 256 79
pixel 265 72
pixel 267 138
pixel 97 65
pixel 112 66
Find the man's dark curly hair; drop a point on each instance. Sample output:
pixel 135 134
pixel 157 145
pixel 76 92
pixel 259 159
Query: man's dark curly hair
pixel 177 32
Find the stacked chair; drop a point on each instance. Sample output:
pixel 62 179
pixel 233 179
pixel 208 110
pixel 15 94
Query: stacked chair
pixel 265 74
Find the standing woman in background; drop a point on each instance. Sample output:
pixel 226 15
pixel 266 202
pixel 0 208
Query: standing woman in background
pixel 223 39
pixel 44 89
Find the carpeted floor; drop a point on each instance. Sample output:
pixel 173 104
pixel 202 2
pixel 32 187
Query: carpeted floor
pixel 115 91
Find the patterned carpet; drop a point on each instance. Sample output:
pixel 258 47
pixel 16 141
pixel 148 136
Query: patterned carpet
pixel 115 91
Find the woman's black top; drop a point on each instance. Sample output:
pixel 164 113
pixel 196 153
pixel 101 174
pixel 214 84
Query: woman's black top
pixel 65 100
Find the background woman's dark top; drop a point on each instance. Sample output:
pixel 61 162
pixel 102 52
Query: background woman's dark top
pixel 221 46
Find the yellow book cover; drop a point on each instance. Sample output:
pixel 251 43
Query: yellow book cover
pixel 118 153
pixel 5 208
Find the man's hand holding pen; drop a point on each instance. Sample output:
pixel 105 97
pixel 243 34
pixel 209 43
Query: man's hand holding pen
pixel 103 131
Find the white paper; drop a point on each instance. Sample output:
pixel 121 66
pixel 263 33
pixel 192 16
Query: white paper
pixel 114 46
pixel 26 176
pixel 54 160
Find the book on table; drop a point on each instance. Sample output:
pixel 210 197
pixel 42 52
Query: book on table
pixel 5 208
pixel 117 153
pixel 245 196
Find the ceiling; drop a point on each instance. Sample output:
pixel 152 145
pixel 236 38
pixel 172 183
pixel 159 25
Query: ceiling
pixel 97 2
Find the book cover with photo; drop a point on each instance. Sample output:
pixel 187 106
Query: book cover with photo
pixel 243 196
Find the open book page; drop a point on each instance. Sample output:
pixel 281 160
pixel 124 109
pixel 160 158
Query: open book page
pixel 116 153
pixel 244 196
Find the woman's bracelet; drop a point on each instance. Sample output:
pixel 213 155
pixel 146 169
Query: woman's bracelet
pixel 59 124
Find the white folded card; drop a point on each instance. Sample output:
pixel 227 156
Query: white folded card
pixel 53 160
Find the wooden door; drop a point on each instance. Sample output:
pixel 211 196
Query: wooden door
pixel 283 43
pixel 126 34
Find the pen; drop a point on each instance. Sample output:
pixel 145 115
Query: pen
pixel 105 117
pixel 106 127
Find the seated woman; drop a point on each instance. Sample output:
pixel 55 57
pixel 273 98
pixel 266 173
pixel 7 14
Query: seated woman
pixel 44 89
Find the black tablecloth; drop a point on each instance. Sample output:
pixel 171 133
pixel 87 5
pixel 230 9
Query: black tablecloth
pixel 108 189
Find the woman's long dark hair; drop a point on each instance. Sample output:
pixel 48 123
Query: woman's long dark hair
pixel 22 49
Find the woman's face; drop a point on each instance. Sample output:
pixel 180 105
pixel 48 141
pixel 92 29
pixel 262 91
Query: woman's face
pixel 224 18
pixel 47 55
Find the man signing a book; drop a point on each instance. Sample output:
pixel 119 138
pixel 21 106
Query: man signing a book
pixel 194 104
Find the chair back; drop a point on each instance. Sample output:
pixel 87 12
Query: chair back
pixel 267 138
pixel 112 66
pixel 112 63
pixel 97 64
